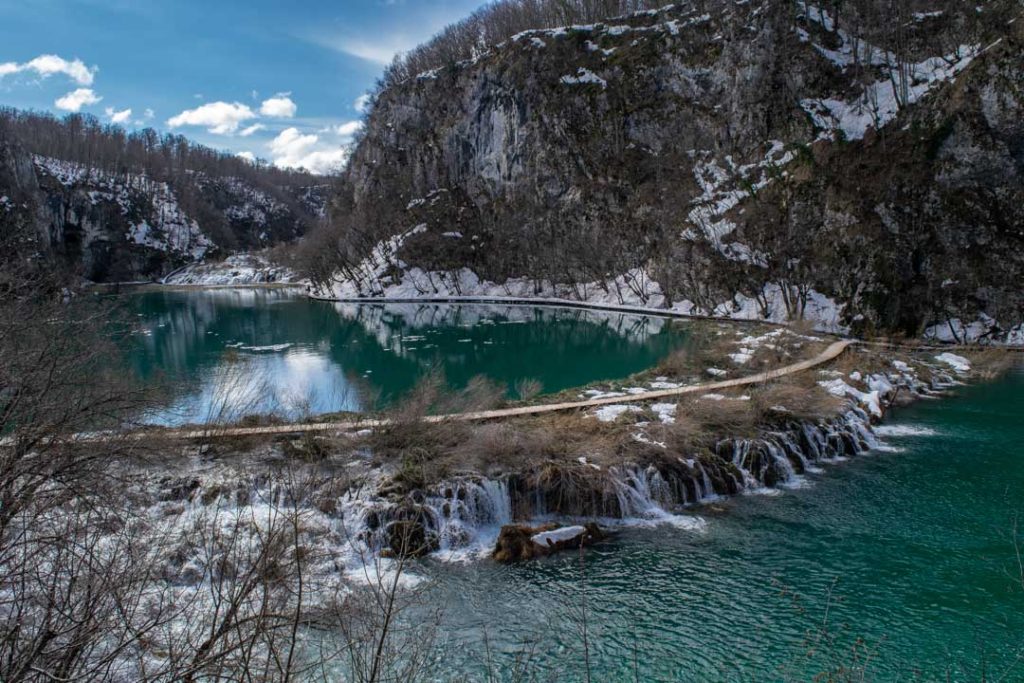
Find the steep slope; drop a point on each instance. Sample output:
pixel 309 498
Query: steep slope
pixel 754 159
pixel 113 210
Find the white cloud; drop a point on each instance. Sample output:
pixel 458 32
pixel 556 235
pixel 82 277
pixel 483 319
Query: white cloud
pixel 248 156
pixel 279 106
pixel 363 102
pixel 348 130
pixel 48 65
pixel 75 100
pixel 254 128
pixel 292 149
pixel 149 114
pixel 381 51
pixel 123 116
pixel 220 118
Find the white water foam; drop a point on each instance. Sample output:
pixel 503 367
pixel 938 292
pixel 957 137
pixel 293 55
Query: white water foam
pixel 904 430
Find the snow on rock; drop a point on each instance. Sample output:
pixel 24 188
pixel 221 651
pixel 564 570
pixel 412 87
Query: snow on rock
pixel 881 102
pixel 779 304
pixel 555 536
pixel 598 394
pixel 872 399
pixel 164 227
pixel 383 274
pixel 241 269
pixel 958 363
pixel 585 77
pixel 742 357
pixel 881 384
pixel 666 412
pixel 722 191
pixel 375 276
pixel 984 330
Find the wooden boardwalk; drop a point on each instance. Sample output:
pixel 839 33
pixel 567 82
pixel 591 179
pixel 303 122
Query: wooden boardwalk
pixel 833 351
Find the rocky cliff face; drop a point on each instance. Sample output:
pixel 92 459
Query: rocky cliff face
pixel 755 160
pixel 122 226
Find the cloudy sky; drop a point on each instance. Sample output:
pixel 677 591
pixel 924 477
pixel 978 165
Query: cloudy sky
pixel 267 78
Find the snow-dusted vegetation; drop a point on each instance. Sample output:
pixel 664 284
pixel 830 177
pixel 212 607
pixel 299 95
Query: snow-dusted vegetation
pixel 779 161
pixel 133 206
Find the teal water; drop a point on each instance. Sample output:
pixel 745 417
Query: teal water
pixel 232 352
pixel 898 564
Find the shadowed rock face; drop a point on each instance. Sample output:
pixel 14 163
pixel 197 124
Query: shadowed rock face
pixel 123 225
pixel 721 150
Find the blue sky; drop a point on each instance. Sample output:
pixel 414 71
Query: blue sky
pixel 278 80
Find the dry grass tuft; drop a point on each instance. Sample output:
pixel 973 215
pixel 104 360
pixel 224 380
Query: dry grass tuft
pixel 729 416
pixel 993 363
pixel 786 400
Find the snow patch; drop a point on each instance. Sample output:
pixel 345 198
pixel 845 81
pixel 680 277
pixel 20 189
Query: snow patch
pixel 547 539
pixel 958 363
pixel 614 412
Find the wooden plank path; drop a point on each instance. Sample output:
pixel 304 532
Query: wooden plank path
pixel 833 351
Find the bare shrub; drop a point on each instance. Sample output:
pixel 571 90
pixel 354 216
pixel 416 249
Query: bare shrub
pixel 677 364
pixel 528 389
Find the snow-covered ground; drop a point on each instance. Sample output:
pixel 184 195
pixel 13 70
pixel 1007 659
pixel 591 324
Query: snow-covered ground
pixel 634 290
pixel 900 85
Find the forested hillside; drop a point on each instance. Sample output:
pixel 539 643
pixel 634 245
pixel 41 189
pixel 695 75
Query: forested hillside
pixel 117 205
pixel 857 163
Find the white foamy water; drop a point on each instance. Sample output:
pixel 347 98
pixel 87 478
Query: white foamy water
pixel 904 430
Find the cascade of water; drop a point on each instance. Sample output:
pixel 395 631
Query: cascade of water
pixel 740 457
pixel 467 512
pixel 458 511
pixel 813 438
pixel 709 487
pixel 641 493
pixel 792 448
pixel 784 468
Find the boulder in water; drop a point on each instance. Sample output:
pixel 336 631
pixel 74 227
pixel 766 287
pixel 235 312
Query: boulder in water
pixel 518 542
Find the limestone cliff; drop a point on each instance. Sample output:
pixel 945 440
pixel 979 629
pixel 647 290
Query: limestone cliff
pixel 758 159
pixel 119 221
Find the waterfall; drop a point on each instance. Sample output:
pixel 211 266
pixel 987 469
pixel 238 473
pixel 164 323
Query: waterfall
pixel 459 512
pixel 642 492
pixel 467 513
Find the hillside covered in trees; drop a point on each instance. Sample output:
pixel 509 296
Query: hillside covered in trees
pixel 117 205
pixel 856 163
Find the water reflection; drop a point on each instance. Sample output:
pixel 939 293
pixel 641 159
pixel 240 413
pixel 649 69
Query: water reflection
pixel 238 352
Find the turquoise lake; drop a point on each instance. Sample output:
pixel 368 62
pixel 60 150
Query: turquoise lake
pixel 232 352
pixel 899 563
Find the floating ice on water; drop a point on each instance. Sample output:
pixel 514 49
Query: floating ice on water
pixel 272 348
